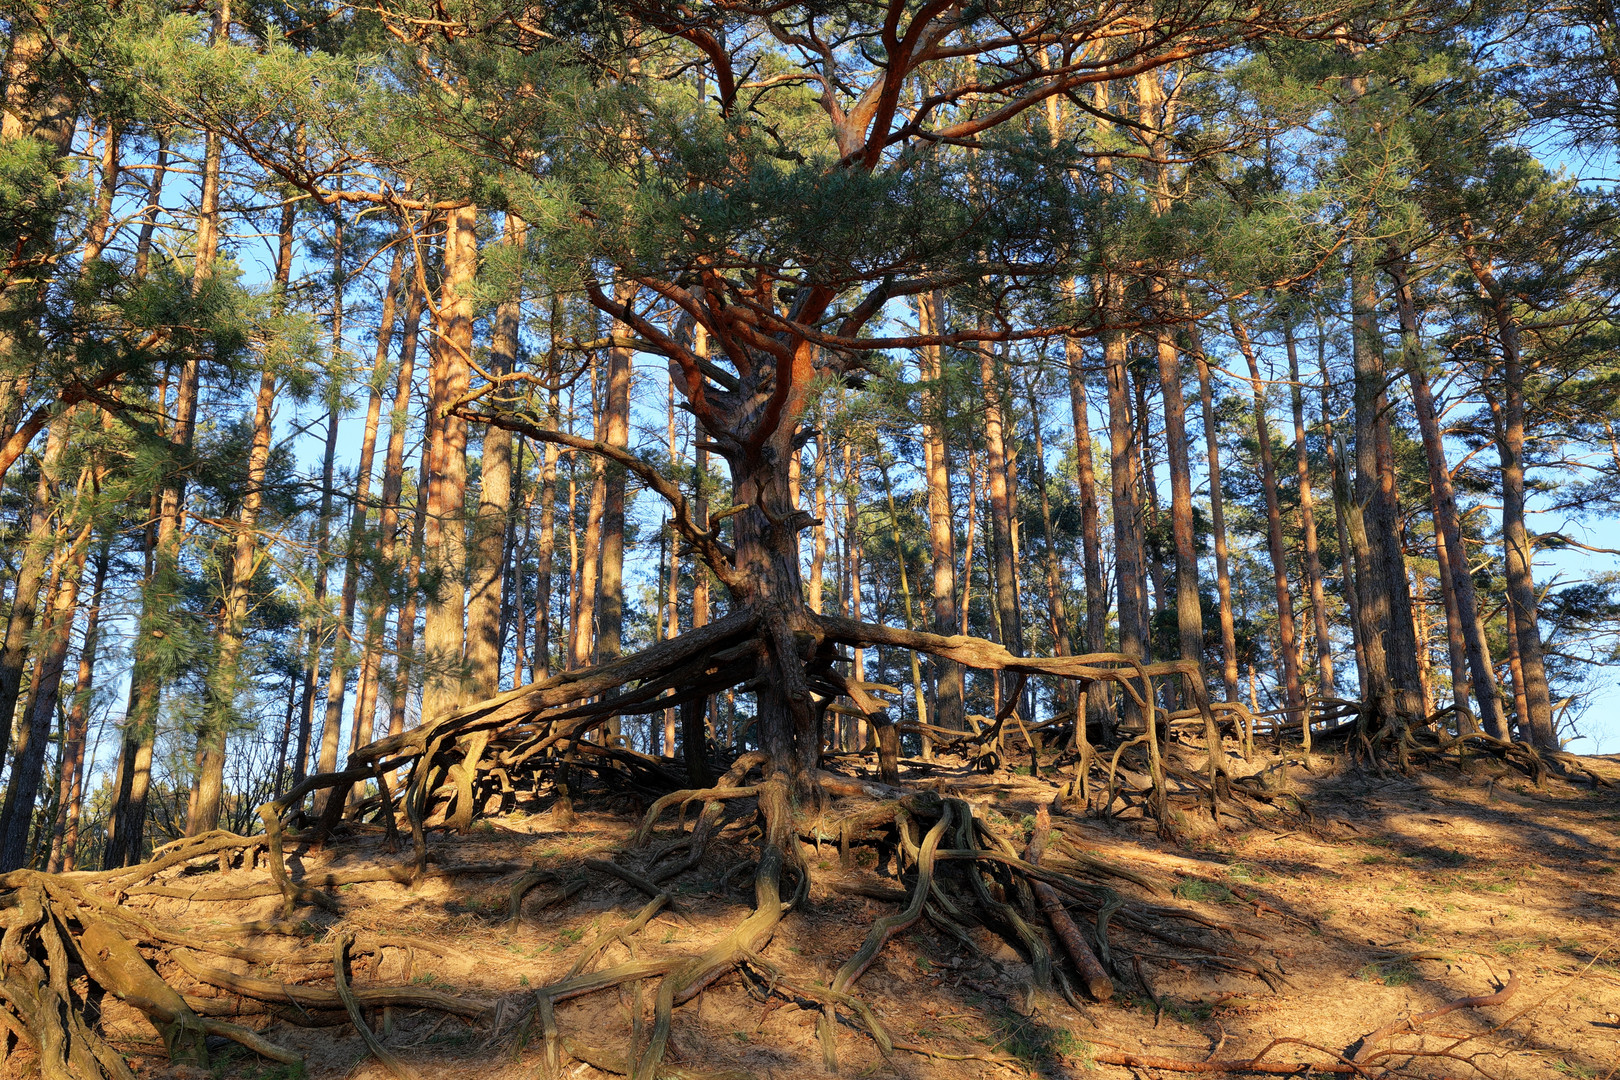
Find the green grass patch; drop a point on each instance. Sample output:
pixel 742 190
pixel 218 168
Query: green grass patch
pixel 1033 1042
pixel 1208 892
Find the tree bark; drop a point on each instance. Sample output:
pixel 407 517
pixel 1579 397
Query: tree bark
pixel 1293 697
pixel 1307 515
pixel 1457 583
pixel 1337 465
pixel 1217 525
pixel 936 410
pixel 1056 614
pixel 1124 464
pixel 388 574
pixel 31 568
pixel 616 433
pixel 445 536
pixel 588 588
pixel 492 522
pixel 1536 722
pixel 540 663
pixel 65 846
pixel 1386 605
pixel 127 825
pixel 28 760
pixel 358 540
pixel 1001 518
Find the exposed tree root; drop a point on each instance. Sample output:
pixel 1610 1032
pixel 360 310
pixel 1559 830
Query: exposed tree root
pixel 1044 893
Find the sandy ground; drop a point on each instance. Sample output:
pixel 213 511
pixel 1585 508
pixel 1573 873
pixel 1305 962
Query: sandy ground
pixel 1392 897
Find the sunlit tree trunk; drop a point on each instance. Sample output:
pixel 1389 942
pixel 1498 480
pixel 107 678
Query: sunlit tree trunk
pixel 1000 505
pixel 936 410
pixel 615 432
pixel 445 535
pixel 547 543
pixel 388 572
pixel 588 588
pixel 127 829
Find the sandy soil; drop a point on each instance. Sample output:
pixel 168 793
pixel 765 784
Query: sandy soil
pixel 1392 897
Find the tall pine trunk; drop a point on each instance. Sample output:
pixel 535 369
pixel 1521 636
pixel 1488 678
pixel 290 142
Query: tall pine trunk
pixel 1535 719
pixel 1294 700
pixel 445 535
pixel 1386 603
pixel 65 845
pixel 936 410
pixel 1307 515
pixel 492 522
pixel 385 581
pixel 1217 526
pixel 1456 582
pixel 55 638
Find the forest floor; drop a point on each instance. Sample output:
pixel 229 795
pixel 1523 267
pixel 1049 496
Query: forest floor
pixel 1393 896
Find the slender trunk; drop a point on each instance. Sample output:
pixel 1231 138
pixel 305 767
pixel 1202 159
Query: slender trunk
pixel 905 592
pixel 1341 509
pixel 1307 514
pixel 30 577
pixel 65 847
pixel 818 536
pixel 1152 533
pixel 1456 649
pixel 1217 525
pixel 445 536
pixel 1189 610
pixel 615 432
pixel 224 685
pixel 1521 702
pixel 384 583
pixel 1386 608
pixel 590 563
pixel 1057 616
pixel 326 758
pixel 1090 518
pixel 405 628
pixel 493 519
pixel 936 409
pixel 95 240
pixel 154 206
pixel 1536 719
pixel 852 547
pixel 541 661
pixel 1001 539
pixel 1268 477
pixel 1420 632
pixel 358 541
pixel 1455 580
pixel 28 761
pixel 972 518
pixel 1124 465
pixel 316 636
